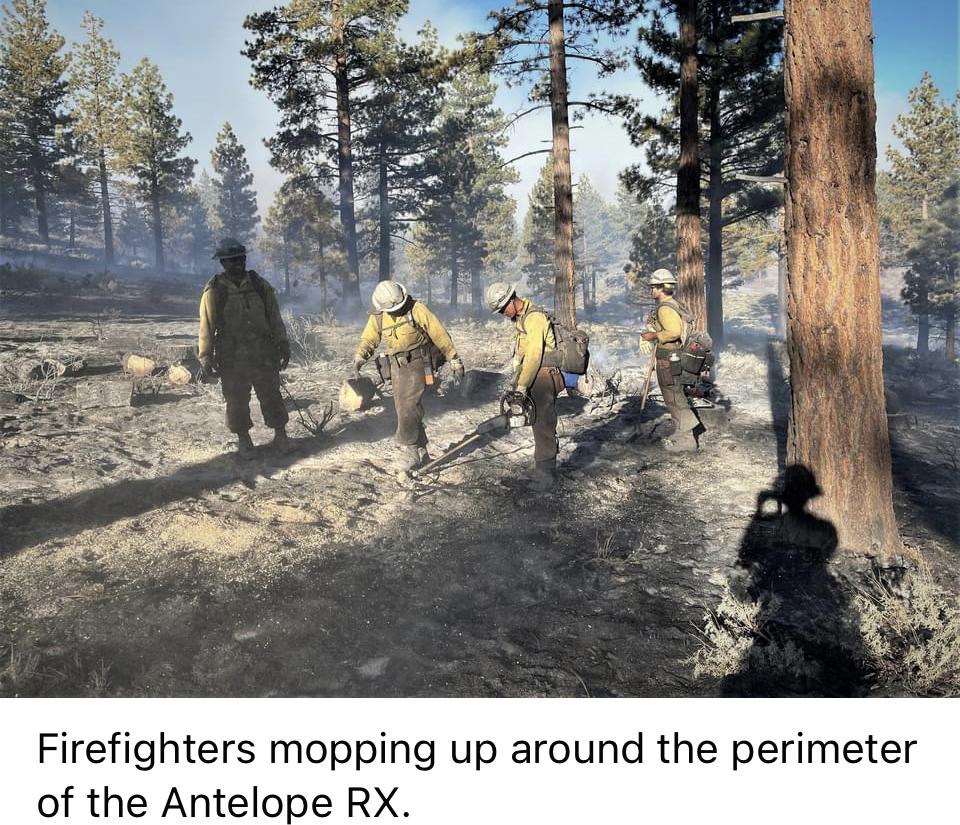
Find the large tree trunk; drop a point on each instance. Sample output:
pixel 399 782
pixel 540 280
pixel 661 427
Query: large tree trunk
pixel 715 238
pixel 384 192
pixel 565 283
pixel 476 285
pixel 157 231
pixel 454 276
pixel 107 218
pixel 323 274
pixel 40 200
pixel 923 328
pixel 923 320
pixel 950 340
pixel 838 423
pixel 689 253
pixel 348 220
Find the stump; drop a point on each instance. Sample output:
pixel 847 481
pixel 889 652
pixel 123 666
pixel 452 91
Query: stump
pixel 139 366
pixel 180 375
pixel 356 394
pixel 481 384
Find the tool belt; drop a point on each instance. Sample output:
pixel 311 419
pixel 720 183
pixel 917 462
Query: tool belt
pixel 432 356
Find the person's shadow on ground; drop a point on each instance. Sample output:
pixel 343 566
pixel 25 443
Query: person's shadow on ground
pixel 808 637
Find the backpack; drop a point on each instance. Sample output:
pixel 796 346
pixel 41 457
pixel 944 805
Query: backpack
pixel 572 354
pixel 696 348
pixel 220 295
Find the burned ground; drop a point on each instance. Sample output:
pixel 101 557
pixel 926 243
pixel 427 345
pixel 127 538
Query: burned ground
pixel 139 557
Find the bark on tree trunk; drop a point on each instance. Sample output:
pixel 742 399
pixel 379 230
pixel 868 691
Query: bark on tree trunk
pixel 384 193
pixel 323 275
pixel 107 218
pixel 689 253
pixel 923 320
pixel 476 287
pixel 565 284
pixel 348 220
pixel 715 238
pixel 838 425
pixel 40 201
pixel 454 278
pixel 782 291
pixel 923 329
pixel 157 231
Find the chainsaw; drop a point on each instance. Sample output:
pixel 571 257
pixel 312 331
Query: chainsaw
pixel 516 410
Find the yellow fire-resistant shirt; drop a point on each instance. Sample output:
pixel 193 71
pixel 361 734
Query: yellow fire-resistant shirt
pixel 534 338
pixel 669 324
pixel 399 335
pixel 248 323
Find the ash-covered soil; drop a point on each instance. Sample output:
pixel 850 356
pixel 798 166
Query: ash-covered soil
pixel 140 557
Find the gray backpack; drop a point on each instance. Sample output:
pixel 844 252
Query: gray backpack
pixel 572 354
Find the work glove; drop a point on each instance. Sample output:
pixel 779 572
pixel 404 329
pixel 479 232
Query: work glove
pixel 646 347
pixel 206 367
pixel 356 367
pixel 456 368
pixel 284 350
pixel 524 391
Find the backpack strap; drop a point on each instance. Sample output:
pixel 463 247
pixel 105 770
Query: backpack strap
pixel 685 317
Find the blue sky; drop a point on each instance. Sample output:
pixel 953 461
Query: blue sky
pixel 197 44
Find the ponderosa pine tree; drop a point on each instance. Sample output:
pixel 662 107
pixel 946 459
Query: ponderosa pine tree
pixel 838 423
pixel 150 152
pixel 741 111
pixel 236 204
pixel 313 60
pixel 33 89
pixel 466 225
pixel 930 133
pixel 98 115
pixel 394 128
pixel 532 42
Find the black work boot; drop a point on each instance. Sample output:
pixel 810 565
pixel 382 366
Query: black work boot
pixel 245 446
pixel 281 442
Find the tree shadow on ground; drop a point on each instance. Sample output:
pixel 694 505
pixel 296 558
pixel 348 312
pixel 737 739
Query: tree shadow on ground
pixel 806 640
pixel 24 525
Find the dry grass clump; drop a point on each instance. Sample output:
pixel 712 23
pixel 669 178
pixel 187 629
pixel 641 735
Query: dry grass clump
pixel 735 639
pixel 911 639
pixel 306 343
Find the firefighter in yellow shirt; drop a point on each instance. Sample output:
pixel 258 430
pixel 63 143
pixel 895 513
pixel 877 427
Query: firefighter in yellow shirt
pixel 243 340
pixel 415 344
pixel 533 374
pixel 666 330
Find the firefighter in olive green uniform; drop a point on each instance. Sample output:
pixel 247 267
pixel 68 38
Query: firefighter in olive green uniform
pixel 667 327
pixel 532 376
pixel 416 343
pixel 244 341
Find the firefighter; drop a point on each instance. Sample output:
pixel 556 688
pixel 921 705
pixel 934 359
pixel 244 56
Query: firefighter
pixel 535 340
pixel 243 340
pixel 665 330
pixel 415 344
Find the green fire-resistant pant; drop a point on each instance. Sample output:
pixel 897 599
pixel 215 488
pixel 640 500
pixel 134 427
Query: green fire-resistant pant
pixel 236 379
pixel 674 397
pixel 409 385
pixel 543 393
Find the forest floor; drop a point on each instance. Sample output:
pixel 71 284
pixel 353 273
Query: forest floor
pixel 140 557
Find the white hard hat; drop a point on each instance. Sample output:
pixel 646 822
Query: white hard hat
pixel 389 296
pixel 499 294
pixel 662 276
